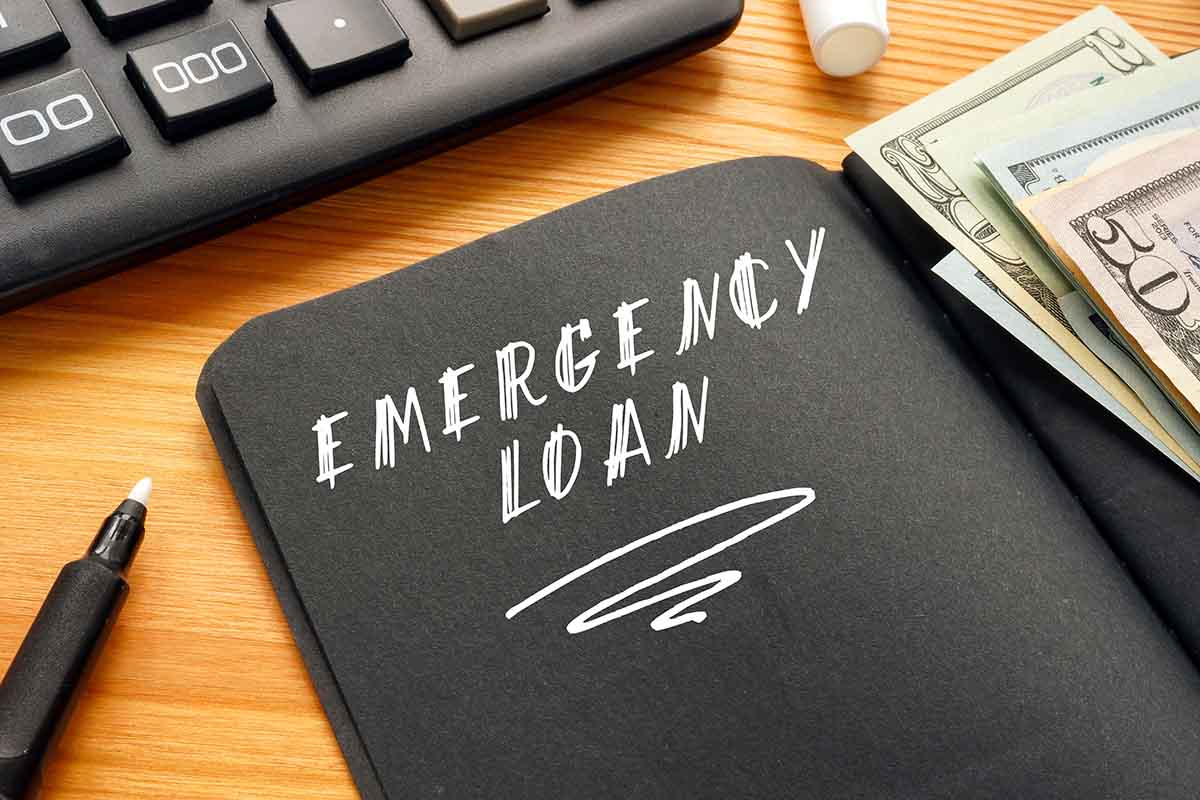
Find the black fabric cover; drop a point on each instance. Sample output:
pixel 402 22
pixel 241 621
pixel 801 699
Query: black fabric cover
pixel 1147 507
pixel 942 620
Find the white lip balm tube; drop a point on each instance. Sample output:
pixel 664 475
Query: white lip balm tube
pixel 848 37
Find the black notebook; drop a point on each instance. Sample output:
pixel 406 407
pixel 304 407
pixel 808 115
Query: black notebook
pixel 701 489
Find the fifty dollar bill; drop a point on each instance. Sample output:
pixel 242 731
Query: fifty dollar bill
pixel 1095 49
pixel 1062 142
pixel 1130 236
pixel 962 275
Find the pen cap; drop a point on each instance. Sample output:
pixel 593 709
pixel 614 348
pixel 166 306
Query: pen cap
pixel 847 37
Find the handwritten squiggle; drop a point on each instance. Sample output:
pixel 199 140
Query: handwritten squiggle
pixel 674 616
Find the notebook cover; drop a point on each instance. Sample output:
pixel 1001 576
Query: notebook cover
pixel 863 580
pixel 1147 507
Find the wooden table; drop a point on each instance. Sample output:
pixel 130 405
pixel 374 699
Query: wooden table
pixel 201 693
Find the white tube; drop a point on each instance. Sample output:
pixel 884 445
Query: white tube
pixel 848 37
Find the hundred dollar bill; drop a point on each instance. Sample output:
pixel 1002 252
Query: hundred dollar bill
pixel 1051 156
pixel 960 274
pixel 1130 238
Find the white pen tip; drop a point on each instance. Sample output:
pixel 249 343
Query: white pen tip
pixel 141 491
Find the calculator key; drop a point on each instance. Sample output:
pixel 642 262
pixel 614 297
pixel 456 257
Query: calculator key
pixel 200 80
pixel 118 18
pixel 332 42
pixel 54 131
pixel 467 18
pixel 29 34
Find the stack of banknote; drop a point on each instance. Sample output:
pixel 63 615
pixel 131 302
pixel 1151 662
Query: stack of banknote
pixel 1067 177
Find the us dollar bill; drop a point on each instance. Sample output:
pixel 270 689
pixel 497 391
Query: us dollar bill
pixel 1106 343
pixel 1094 53
pixel 1048 157
pixel 964 278
pixel 1149 94
pixel 1130 238
pixel 1105 365
pixel 1125 383
pixel 1091 50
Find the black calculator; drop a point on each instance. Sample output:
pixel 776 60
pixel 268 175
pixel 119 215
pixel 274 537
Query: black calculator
pixel 130 128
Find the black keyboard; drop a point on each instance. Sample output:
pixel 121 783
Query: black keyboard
pixel 130 128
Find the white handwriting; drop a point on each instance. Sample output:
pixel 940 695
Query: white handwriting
pixel 695 312
pixel 627 335
pixel 743 292
pixel 510 381
pixel 682 411
pixel 326 471
pixel 566 368
pixel 387 419
pixel 600 613
pixel 552 457
pixel 809 270
pixel 510 484
pixel 624 422
pixel 455 424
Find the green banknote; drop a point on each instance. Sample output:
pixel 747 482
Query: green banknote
pixel 1079 59
pixel 1130 237
pixel 1081 133
pixel 962 275
pixel 1073 135
pixel 1091 50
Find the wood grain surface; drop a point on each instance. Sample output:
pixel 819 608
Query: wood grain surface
pixel 201 693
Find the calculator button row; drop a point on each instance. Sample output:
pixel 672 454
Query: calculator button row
pixel 54 131
pixel 329 42
pixel 29 35
pixel 60 128
pixel 332 42
pixel 200 80
pixel 465 19
pixel 119 18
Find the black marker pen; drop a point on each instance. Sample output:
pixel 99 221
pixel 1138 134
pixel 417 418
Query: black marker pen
pixel 39 691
